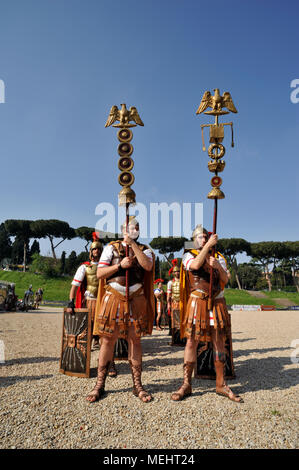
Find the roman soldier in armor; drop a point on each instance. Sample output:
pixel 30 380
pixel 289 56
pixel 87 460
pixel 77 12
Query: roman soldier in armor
pixel 197 322
pixel 159 296
pixel 173 304
pixel 125 305
pixel 84 289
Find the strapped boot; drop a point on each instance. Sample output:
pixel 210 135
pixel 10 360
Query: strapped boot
pixel 138 389
pixel 221 387
pixel 185 390
pixel 98 391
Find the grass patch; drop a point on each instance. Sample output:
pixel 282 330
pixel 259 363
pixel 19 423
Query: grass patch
pixel 54 288
pixel 59 288
pixel 276 294
pixel 240 297
pixel 275 413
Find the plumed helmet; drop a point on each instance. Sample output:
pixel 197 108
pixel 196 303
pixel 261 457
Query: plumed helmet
pixel 95 244
pixel 174 268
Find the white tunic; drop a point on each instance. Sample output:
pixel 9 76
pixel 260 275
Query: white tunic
pixel 79 277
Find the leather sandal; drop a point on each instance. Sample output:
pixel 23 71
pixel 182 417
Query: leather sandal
pixel 183 392
pixel 186 389
pixel 138 389
pixel 99 390
pixel 225 391
pixel 221 387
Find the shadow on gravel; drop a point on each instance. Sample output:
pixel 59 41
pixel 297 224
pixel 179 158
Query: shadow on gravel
pixel 8 381
pixel 252 374
pixel 30 360
pixel 247 352
pixel 199 388
pixel 266 374
pixel 152 345
pixel 242 340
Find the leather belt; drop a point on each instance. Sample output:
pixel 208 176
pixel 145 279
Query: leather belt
pixel 122 297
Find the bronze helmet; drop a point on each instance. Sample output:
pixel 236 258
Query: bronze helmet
pixel 95 244
pixel 199 229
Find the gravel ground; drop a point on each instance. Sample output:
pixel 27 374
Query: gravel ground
pixel 43 409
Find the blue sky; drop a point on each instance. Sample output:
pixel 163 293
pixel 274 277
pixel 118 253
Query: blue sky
pixel 66 62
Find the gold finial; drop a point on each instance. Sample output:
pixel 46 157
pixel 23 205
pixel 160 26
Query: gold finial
pixel 124 116
pixel 126 196
pixel 216 150
pixel 216 102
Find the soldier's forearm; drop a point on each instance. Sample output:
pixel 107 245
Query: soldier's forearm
pixel 102 273
pixel 200 258
pixel 143 260
pixel 73 292
pixel 198 261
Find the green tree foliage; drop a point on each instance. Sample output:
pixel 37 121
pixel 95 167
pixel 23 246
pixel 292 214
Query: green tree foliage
pixel 71 263
pixel 86 234
pixel 293 256
pixel 157 268
pixel 34 249
pixel 161 269
pixel 17 250
pixel 230 248
pixel 249 275
pixel 266 253
pixel 82 257
pixel 49 267
pixel 52 229
pixel 23 231
pixel 167 246
pixel 5 243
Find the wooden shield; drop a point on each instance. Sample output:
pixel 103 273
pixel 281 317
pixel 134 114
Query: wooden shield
pixel 204 367
pixel 76 343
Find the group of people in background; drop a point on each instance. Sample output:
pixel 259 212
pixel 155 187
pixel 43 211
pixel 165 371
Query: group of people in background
pixel 31 299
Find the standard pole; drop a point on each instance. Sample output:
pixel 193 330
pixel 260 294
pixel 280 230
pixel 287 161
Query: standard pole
pixel 127 254
pixel 210 302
